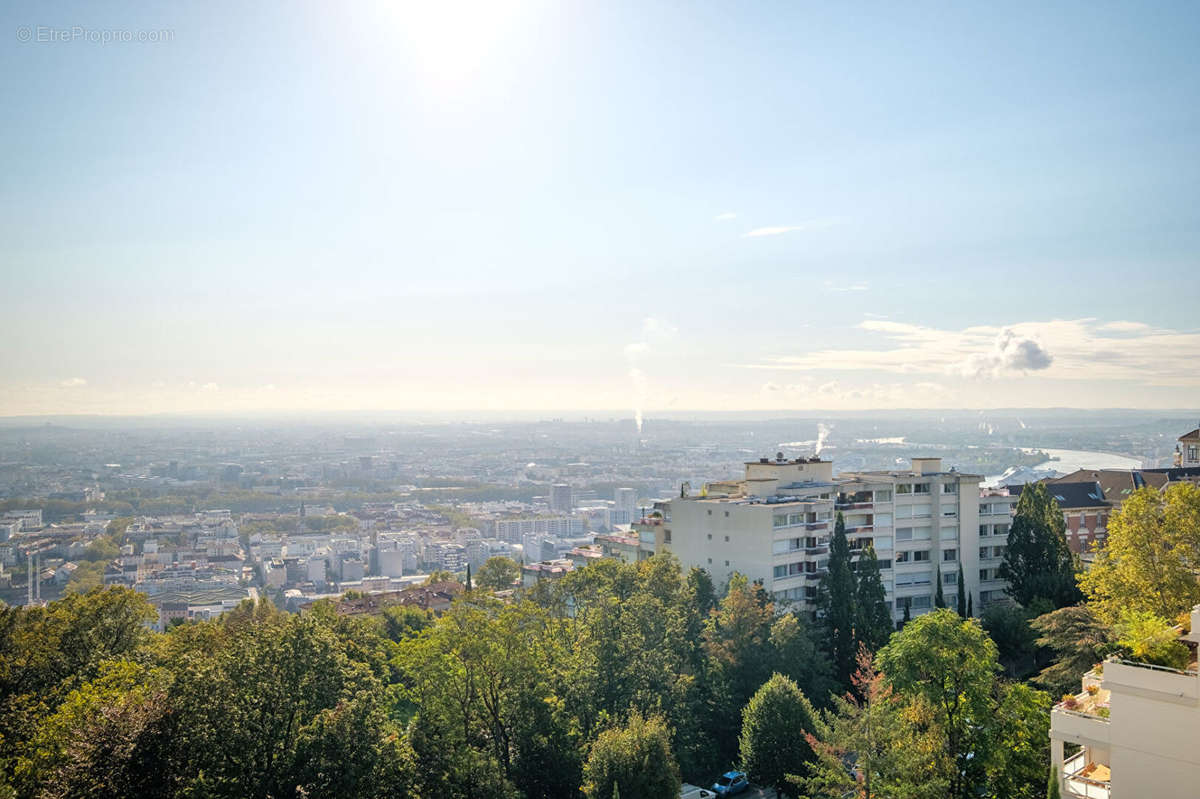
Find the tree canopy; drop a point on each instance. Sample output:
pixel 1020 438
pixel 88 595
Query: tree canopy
pixel 1037 562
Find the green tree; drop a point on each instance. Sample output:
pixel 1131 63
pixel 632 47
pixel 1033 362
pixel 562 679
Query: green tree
pixel 836 604
pixel 1052 791
pixel 775 729
pixel 1018 748
pixel 633 760
pixel 894 747
pixel 1037 563
pixel 962 594
pixel 939 597
pixel 1008 627
pixel 950 664
pixel 873 625
pixel 797 657
pixel 497 574
pixel 1151 639
pixel 1077 641
pixel 738 657
pixel 1151 557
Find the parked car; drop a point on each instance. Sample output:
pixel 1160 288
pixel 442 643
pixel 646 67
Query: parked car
pixel 689 791
pixel 730 783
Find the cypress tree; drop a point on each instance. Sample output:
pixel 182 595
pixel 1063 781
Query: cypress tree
pixel 970 605
pixel 962 594
pixel 939 599
pixel 468 576
pixel 874 625
pixel 1037 563
pixel 836 604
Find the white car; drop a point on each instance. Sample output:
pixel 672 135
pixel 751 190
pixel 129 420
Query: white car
pixel 689 791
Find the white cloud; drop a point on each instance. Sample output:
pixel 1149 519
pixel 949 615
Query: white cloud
pixel 210 387
pixel 858 285
pixel 1009 354
pixel 1079 349
pixel 1126 327
pixel 725 217
pixel 779 230
pixel 73 382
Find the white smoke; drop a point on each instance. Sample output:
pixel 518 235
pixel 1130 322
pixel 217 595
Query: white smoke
pixel 822 434
pixel 653 331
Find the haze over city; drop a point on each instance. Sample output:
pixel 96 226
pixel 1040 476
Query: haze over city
pixel 620 206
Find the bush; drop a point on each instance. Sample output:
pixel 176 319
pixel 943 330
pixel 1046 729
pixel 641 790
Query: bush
pixel 1152 640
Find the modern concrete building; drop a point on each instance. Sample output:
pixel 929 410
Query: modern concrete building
pixel 923 522
pixel 561 499
pixel 774 526
pixel 1131 732
pixel 625 499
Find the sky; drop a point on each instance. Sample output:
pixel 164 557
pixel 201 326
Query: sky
pixel 629 206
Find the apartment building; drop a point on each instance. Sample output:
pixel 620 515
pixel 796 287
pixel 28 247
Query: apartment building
pixel 1131 731
pixel 924 525
pixel 775 525
pixel 996 508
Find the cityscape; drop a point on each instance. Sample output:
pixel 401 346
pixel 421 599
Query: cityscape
pixel 544 399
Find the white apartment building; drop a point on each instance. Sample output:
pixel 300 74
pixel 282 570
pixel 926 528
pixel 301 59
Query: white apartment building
pixel 923 522
pixel 775 525
pixel 514 530
pixel 996 509
pixel 625 499
pixel 1133 729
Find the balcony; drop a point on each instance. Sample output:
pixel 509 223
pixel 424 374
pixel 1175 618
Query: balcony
pixel 1086 780
pixel 816 525
pixel 1083 718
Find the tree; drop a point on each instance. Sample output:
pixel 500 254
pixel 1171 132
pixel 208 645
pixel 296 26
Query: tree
pixel 439 576
pixel 1077 639
pixel 797 656
pixel 1008 627
pixel 1018 748
pixel 775 729
pixel 873 626
pixel 962 594
pixel 633 760
pixel 497 574
pixel 1150 639
pixel 950 664
pixel 738 659
pixel 836 604
pixel 1151 556
pixel 1037 561
pixel 939 597
pixel 468 582
pixel 1052 791
pixel 873 744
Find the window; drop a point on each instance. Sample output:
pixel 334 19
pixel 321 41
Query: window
pixel 949 513
pixel 949 578
pixel 949 488
pixel 950 531
pixel 904 534
pixel 903 488
pixel 903 557
pixel 726 563
pixel 710 512
pixel 883 520
pixel 922 511
pixel 726 514
pixel 666 536
pixel 883 495
pixel 920 555
pixel 949 554
pixel 883 542
pixel 985 575
pixel 1000 529
pixel 726 539
pixel 904 512
pixel 921 488
pixel 778 520
pixel 710 536
pixel 998 552
pixel 886 563
pixel 795 518
pixel 780 571
pixel 710 561
pixel 985 530
pixel 985 552
pixel 920 602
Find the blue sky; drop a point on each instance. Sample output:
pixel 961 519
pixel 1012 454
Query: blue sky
pixel 550 205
